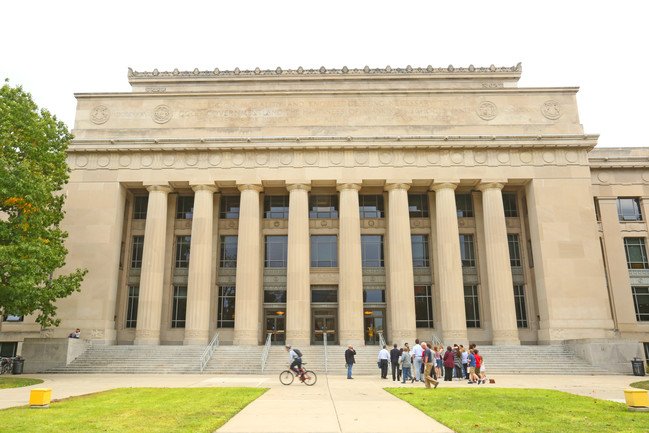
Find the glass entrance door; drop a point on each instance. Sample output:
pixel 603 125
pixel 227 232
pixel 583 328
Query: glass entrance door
pixel 276 326
pixel 325 322
pixel 374 324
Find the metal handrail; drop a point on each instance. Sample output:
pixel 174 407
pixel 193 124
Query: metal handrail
pixel 264 355
pixel 435 341
pixel 209 351
pixel 326 360
pixel 381 339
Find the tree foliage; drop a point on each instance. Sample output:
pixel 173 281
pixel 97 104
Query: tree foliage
pixel 33 170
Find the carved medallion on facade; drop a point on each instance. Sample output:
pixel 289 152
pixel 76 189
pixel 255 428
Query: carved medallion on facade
pixel 103 161
pixel 214 158
pixel 572 156
pixel 261 158
pixel 335 157
pixel 526 157
pixel 603 177
pixel 169 159
pixel 99 115
pixel 361 157
pixel 161 114
pixel 238 158
pixel 146 160
pixel 645 176
pixel 551 110
pixel 503 157
pixel 81 161
pixel 487 110
pixel 124 161
pixel 385 157
pixel 548 156
pixel 457 157
pixel 433 157
pixel 286 158
pixel 409 157
pixel 480 156
pixel 191 159
pixel 311 157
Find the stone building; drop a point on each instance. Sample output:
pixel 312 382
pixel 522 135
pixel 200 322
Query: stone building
pixel 347 204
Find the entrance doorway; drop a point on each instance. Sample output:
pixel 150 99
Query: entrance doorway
pixel 325 322
pixel 374 324
pixel 276 326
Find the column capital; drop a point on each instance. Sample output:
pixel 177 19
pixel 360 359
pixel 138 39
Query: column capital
pixel 298 186
pixel 163 188
pixel 343 186
pixel 451 184
pixel 205 187
pixel 396 186
pixel 486 184
pixel 251 187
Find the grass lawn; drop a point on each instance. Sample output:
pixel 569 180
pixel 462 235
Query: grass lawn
pixel 17 382
pixel 496 410
pixel 134 410
pixel 642 385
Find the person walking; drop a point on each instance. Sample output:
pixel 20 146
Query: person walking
pixel 350 353
pixel 472 375
pixel 395 354
pixel 438 361
pixel 465 362
pixel 406 364
pixel 428 366
pixel 417 352
pixel 449 363
pixel 457 353
pixel 384 357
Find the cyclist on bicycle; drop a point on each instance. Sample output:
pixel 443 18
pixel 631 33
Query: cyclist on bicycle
pixel 295 360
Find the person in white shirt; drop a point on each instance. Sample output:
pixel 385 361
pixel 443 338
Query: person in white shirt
pixel 417 352
pixel 294 360
pixel 384 357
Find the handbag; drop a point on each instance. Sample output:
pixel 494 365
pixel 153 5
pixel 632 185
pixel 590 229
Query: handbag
pixel 378 363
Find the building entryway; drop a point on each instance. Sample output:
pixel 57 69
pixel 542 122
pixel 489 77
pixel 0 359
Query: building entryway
pixel 276 326
pixel 325 322
pixel 374 324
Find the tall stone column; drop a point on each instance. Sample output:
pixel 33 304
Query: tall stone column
pixel 298 285
pixel 248 290
pixel 499 273
pixel 350 286
pixel 401 284
pixel 451 284
pixel 200 267
pixel 151 279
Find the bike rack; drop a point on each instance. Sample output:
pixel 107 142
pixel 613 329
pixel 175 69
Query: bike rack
pixel 264 355
pixel 209 351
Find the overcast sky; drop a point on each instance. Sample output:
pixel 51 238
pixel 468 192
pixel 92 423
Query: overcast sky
pixel 56 49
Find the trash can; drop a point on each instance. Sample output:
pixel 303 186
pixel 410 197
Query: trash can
pixel 638 367
pixel 18 363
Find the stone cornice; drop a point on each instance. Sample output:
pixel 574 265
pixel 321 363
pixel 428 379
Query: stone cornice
pixel 335 142
pixel 512 72
pixel 617 162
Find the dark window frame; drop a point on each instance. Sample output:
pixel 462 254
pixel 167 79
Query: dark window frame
pixel 472 306
pixel 230 207
pixel 424 317
pixel 327 242
pixel 510 205
pixel 464 205
pixel 227 245
pixel 140 206
pixel 323 206
pixel 368 245
pixel 271 244
pixel 276 206
pixel 185 207
pixel 183 251
pixel 629 244
pixel 371 206
pixel 419 244
pixel 179 306
pixel 137 251
pixel 132 301
pixel 641 308
pixel 521 306
pixel 418 206
pixel 226 299
pixel 467 250
pixel 513 242
pixel 629 209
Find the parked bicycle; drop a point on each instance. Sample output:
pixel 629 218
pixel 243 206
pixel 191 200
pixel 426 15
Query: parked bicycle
pixel 307 377
pixel 6 365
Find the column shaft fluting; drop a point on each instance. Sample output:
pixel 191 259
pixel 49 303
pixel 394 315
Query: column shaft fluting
pixel 200 267
pixel 499 275
pixel 401 284
pixel 298 288
pixel 152 275
pixel 350 286
pixel 248 290
pixel 451 284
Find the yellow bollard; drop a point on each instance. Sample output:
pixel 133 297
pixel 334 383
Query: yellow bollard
pixel 40 398
pixel 637 400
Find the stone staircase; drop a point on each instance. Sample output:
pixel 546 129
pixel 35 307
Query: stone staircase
pixel 228 360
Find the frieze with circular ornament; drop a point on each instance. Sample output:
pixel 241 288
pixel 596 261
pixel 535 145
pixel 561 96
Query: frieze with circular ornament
pixel 238 158
pixel 433 157
pixel 526 157
pixel 551 110
pixel 191 159
pixel 385 156
pixel 169 159
pixel 361 157
pixel 336 157
pixel 146 160
pixel 487 110
pixel 81 161
pixel 409 157
pixel 548 156
pixel 480 156
pixel 124 160
pixel 286 158
pixel 311 157
pixel 603 177
pixel 214 158
pixel 503 157
pixel 103 161
pixel 261 158
pixel 572 156
pixel 161 114
pixel 99 115
pixel 645 176
pixel 457 157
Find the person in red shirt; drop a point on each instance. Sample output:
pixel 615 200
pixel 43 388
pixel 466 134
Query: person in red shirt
pixel 478 364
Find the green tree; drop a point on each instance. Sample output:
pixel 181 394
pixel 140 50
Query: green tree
pixel 33 170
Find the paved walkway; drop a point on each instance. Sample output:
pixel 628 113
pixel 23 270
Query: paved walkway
pixel 333 404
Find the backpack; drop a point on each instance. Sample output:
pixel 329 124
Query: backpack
pixel 298 353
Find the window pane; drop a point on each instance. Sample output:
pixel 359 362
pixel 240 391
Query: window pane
pixel 420 251
pixel 276 251
pixel 372 251
pixel 318 295
pixel 179 309
pixel 510 205
pixel 225 314
pixel 136 252
pixel 641 303
pixel 471 307
pixel 514 250
pixel 418 205
pixel 371 206
pixel 373 295
pixel 228 257
pixel 183 244
pixel 139 207
pixel 229 207
pixel 323 206
pixel 636 254
pixel 324 251
pixel 628 209
pixel 464 205
pixel 423 307
pixel 131 306
pixel 467 251
pixel 276 206
pixel 185 208
pixel 275 296
pixel 521 312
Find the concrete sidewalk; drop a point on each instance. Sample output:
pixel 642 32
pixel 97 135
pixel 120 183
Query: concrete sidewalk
pixel 333 404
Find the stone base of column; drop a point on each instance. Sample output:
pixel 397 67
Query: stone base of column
pixel 451 337
pixel 195 338
pixel 245 338
pixel 505 338
pixel 355 338
pixel 147 337
pixel 299 338
pixel 402 336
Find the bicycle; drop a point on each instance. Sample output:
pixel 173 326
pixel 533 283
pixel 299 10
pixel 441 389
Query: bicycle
pixel 307 377
pixel 6 365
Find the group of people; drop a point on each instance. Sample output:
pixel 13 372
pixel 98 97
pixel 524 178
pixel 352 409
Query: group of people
pixel 430 362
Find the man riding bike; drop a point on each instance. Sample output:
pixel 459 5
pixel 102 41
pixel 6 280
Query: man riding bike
pixel 295 359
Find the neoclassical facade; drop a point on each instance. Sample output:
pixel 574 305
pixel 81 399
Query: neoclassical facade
pixel 348 203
